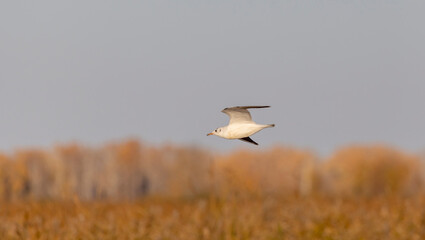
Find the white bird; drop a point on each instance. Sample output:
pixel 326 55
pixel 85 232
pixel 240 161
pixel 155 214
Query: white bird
pixel 240 125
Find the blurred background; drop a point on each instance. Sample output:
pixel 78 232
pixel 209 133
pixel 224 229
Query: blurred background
pixel 112 100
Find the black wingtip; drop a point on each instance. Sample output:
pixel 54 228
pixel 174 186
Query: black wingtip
pixel 247 107
pixel 248 139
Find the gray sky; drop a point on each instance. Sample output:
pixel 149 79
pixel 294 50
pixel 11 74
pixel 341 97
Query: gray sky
pixel 335 72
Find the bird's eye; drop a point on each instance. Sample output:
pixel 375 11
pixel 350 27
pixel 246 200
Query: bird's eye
pixel 216 130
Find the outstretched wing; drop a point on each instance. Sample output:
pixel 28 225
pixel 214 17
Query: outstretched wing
pixel 248 139
pixel 240 113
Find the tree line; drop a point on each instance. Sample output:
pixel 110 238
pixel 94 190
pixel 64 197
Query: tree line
pixel 133 170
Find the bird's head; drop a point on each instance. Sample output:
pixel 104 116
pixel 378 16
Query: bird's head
pixel 216 132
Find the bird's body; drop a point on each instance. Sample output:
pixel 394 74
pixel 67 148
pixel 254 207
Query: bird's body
pixel 242 130
pixel 240 125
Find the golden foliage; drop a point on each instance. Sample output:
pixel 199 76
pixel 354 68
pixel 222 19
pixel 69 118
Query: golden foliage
pixel 278 171
pixel 171 192
pixel 130 170
pixel 373 170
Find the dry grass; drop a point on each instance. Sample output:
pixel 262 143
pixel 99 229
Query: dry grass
pixel 214 218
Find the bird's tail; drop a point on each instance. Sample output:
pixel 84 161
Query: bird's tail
pixel 270 125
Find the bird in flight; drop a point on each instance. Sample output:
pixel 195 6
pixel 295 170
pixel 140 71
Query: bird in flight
pixel 240 125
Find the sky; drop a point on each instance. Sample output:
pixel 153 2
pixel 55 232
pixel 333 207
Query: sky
pixel 335 72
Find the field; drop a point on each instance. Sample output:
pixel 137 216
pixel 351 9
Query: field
pixel 131 190
pixel 209 218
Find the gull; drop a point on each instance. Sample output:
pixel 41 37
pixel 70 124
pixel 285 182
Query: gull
pixel 240 125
